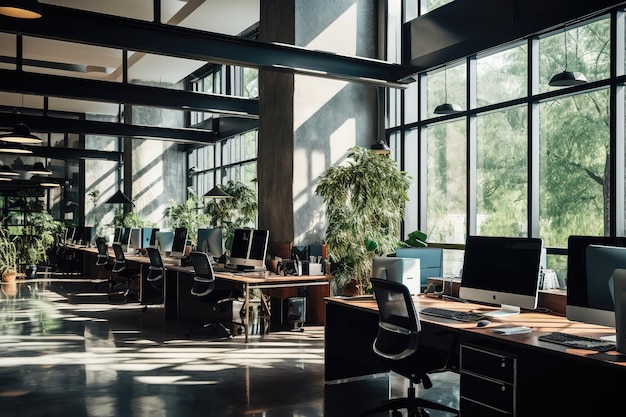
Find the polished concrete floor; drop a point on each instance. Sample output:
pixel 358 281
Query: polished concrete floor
pixel 66 350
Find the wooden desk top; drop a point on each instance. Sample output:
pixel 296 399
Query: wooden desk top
pixel 539 322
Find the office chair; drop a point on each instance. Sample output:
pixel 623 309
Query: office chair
pixel 221 302
pixel 123 281
pixel 154 279
pixel 398 345
pixel 103 252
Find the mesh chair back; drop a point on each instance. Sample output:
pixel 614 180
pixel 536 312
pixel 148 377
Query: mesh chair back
pixel 204 279
pixel 399 326
pixel 103 252
pixel 156 269
pixel 120 258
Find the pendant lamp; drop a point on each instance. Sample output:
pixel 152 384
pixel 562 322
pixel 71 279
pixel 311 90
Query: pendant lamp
pixel 21 9
pixel 14 148
pixel 7 171
pixel 567 78
pixel 39 169
pixel 447 108
pixel 216 192
pixel 20 134
pixel 380 147
pixel 119 198
pixel 44 182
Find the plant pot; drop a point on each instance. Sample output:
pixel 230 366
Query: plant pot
pixel 9 276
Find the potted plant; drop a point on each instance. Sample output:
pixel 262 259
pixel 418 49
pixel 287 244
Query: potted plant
pixel 233 213
pixel 188 215
pixel 364 200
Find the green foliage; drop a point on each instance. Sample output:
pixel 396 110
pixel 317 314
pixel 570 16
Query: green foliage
pixel 8 252
pixel 416 239
pixel 128 219
pixel 364 201
pixel 233 213
pixel 188 215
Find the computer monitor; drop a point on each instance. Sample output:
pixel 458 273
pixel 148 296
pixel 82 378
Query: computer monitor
pixel 211 242
pixel 249 248
pixel 124 237
pixel 164 241
pixel 179 243
pixel 134 239
pixel 153 240
pixel 69 234
pixel 403 270
pixel 502 270
pixel 147 237
pixel 585 301
pixel 88 235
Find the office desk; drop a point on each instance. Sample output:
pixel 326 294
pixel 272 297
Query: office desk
pixel 248 282
pixel 549 379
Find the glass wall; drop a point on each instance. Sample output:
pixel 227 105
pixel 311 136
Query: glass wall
pixel 520 157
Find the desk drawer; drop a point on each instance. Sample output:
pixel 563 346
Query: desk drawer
pixel 488 363
pixel 487 382
pixel 495 394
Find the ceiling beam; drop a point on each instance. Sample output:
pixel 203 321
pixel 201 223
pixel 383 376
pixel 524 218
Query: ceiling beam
pixel 72 25
pixel 112 92
pixel 93 127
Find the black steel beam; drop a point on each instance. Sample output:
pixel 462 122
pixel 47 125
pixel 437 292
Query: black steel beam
pixel 74 25
pixel 63 125
pixel 112 92
pixel 72 153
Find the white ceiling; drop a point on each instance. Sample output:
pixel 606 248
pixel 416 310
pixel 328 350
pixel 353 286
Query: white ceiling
pixel 230 17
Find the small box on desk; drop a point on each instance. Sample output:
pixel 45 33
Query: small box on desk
pixel 443 285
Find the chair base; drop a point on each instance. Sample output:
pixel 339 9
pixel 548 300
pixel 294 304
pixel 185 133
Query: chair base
pixel 416 407
pixel 219 330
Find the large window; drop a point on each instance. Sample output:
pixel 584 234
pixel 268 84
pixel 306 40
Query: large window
pixel 520 157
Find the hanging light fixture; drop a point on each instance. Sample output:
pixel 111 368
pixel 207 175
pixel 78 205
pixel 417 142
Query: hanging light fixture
pixel 567 78
pixel 39 169
pixel 119 198
pixel 20 134
pixel 6 171
pixel 447 108
pixel 44 182
pixel 22 9
pixel 14 148
pixel 380 147
pixel 216 192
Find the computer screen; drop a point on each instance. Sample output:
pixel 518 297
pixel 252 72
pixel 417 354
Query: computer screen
pixel 88 235
pixel 180 241
pixel 502 270
pixel 69 234
pixel 402 270
pixel 134 239
pixel 164 241
pixel 124 236
pixel 211 242
pixel 249 248
pixel 584 298
pixel 148 237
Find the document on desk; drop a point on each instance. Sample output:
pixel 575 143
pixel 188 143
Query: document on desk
pixel 511 330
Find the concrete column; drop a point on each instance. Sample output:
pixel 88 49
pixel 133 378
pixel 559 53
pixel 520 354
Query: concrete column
pixel 308 123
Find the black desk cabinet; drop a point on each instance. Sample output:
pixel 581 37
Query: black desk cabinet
pixel 488 382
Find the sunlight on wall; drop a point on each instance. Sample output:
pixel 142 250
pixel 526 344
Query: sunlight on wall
pixel 340 36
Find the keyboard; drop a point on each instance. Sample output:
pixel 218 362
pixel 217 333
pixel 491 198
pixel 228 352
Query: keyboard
pixel 580 342
pixel 465 316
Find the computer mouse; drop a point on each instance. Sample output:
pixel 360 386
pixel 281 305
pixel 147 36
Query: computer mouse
pixel 483 323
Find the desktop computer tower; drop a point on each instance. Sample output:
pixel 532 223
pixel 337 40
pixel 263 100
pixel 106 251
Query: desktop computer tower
pixel 288 312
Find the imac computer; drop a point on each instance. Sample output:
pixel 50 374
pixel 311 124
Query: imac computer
pixel 249 249
pixel 148 237
pixel 164 241
pixel 588 297
pixel 124 237
pixel 211 242
pixel 179 243
pixel 69 234
pixel 134 239
pixel 502 270
pixel 88 235
pixel 403 270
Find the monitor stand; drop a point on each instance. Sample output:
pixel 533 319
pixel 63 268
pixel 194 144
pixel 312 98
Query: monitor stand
pixel 505 311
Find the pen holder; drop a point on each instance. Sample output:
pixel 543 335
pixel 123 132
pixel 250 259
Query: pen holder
pixel 315 269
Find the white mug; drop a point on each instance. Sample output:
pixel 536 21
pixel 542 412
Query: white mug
pixel 315 269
